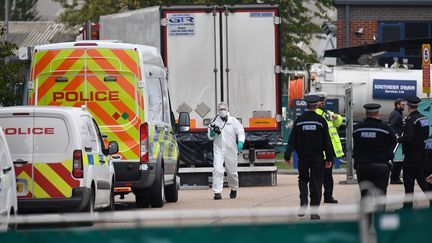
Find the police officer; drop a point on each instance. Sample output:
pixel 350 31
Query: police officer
pixel 333 121
pixel 396 123
pixel 415 134
pixel 374 141
pixel 309 138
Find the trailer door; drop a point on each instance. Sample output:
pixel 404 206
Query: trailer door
pixel 191 54
pixel 250 58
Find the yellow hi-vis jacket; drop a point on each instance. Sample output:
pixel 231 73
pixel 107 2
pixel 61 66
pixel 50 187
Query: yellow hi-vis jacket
pixel 333 124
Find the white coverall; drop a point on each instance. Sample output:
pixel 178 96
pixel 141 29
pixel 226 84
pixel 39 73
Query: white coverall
pixel 225 149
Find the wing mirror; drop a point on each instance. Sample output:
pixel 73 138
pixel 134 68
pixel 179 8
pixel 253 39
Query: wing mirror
pixel 184 122
pixel 113 147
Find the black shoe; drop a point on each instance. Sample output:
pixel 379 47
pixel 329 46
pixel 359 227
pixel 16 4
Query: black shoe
pixel 302 211
pixel 330 200
pixel 396 182
pixel 315 217
pixel 217 196
pixel 233 194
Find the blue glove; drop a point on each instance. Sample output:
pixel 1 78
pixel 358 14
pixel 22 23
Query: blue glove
pixel 212 133
pixel 240 146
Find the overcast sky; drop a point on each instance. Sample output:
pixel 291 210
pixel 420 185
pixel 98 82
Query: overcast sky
pixel 48 9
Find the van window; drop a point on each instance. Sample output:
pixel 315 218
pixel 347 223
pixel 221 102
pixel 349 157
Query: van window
pixel 56 137
pixel 155 99
pixel 100 140
pixel 166 108
pixel 88 134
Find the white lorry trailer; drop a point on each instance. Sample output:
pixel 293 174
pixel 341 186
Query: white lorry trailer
pixel 224 53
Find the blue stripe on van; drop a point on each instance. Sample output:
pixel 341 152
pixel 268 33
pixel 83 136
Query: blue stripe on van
pixel 90 159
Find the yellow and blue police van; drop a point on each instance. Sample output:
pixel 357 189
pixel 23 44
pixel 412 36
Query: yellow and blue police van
pixel 125 88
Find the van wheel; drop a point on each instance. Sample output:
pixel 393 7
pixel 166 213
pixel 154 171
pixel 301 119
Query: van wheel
pixel 111 205
pixel 142 198
pixel 171 191
pixel 12 226
pixel 89 208
pixel 157 198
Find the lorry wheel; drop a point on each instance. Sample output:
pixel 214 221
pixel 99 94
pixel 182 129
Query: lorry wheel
pixel 157 197
pixel 142 198
pixel 171 191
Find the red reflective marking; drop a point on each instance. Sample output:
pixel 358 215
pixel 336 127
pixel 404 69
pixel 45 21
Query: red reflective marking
pixel 120 106
pixel 107 119
pixel 65 65
pixel 65 174
pixel 46 185
pixel 26 169
pixel 75 82
pixel 101 61
pixel 127 60
pixel 44 61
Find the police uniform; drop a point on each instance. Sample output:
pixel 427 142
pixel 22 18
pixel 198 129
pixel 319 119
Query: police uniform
pixel 415 134
pixel 333 124
pixel 309 138
pixel 374 141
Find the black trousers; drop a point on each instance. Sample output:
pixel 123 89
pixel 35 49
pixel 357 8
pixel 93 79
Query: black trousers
pixel 376 175
pixel 328 183
pixel 311 171
pixel 396 170
pixel 412 174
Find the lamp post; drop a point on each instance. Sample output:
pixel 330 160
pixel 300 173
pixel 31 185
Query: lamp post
pixel 6 23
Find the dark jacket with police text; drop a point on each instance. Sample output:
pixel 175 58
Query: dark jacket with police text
pixel 415 133
pixel 374 142
pixel 310 137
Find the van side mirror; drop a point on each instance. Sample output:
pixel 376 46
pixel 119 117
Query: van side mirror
pixel 184 122
pixel 113 147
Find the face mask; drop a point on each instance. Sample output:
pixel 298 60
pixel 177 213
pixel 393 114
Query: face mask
pixel 223 113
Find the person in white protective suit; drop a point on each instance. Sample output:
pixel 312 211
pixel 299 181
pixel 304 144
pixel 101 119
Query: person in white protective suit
pixel 228 138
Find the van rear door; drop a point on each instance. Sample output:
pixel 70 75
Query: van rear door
pixel 105 80
pixel 40 148
pixel 18 130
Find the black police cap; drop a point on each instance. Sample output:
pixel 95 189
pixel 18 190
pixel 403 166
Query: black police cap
pixel 413 100
pixel 372 107
pixel 312 99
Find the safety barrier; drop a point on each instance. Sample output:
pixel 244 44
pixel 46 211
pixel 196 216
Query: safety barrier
pixel 281 225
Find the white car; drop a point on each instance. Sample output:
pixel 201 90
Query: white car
pixel 8 195
pixel 61 161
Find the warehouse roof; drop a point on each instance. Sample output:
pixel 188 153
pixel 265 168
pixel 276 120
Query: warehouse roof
pixel 32 33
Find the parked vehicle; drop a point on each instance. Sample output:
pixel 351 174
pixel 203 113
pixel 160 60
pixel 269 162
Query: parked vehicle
pixel 8 194
pixel 214 53
pixel 61 162
pixel 369 85
pixel 124 87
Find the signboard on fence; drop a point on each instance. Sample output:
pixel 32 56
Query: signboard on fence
pixel 426 67
pixel 300 106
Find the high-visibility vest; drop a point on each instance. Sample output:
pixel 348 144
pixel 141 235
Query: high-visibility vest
pixel 333 125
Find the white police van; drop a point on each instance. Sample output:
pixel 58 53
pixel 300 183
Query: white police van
pixel 61 161
pixel 8 196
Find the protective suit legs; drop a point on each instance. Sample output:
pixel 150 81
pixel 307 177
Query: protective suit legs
pixel 218 172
